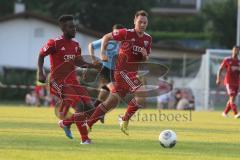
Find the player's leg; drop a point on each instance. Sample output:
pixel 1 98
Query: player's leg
pixel 82 104
pixel 88 105
pixel 66 121
pixel 232 92
pixel 103 94
pixel 106 76
pixel 233 106
pixel 80 118
pixel 133 105
pixel 110 103
pixel 84 108
pixel 62 108
pixel 227 109
pixel 104 91
pixel 228 105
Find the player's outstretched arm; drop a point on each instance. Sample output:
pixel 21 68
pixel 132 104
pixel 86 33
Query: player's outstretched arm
pixel 81 63
pixel 91 53
pixel 222 66
pixel 106 38
pixel 41 77
pixel 218 75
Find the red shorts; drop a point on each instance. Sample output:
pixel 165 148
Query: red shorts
pixel 72 92
pixel 125 82
pixel 232 90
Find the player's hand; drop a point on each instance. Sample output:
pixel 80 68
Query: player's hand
pixel 41 77
pixel 144 52
pixel 104 58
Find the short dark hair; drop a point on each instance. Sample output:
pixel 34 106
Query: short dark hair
pixel 65 18
pixel 141 13
pixel 117 26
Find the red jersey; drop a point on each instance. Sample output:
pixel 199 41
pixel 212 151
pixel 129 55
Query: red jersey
pixel 63 53
pixel 130 48
pixel 232 71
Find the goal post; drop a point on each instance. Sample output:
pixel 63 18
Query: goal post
pixel 207 95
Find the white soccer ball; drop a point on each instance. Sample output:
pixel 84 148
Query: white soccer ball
pixel 168 138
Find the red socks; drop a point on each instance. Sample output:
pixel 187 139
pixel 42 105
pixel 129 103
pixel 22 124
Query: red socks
pixel 234 108
pixel 79 119
pixel 98 113
pixel 227 108
pixel 133 106
pixel 68 121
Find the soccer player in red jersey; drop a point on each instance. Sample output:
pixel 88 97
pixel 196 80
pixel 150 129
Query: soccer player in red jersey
pixel 65 55
pixel 134 48
pixel 231 81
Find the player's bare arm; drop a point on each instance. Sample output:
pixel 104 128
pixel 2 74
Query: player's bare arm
pixel 218 75
pixel 91 53
pixel 81 63
pixel 106 38
pixel 41 74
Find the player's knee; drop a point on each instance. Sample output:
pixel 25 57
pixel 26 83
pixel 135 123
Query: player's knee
pixel 104 92
pixel 111 102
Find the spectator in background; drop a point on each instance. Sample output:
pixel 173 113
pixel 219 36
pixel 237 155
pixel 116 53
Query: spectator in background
pixel 40 91
pixel 186 100
pixel 177 97
pixel 31 98
pixel 166 101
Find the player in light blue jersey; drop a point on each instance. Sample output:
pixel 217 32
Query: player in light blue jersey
pixel 106 74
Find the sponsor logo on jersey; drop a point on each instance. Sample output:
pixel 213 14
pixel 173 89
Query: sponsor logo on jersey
pixel 137 49
pixel 69 57
pixel 63 49
pixel 146 43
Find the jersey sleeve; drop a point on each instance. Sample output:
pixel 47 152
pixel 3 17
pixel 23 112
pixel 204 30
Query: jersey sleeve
pixel 97 44
pixel 48 48
pixel 119 35
pixel 224 63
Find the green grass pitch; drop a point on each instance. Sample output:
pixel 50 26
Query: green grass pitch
pixel 30 133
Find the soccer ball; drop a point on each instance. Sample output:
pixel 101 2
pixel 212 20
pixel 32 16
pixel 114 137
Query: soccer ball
pixel 168 138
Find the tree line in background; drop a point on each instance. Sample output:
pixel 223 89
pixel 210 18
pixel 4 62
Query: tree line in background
pixel 216 22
